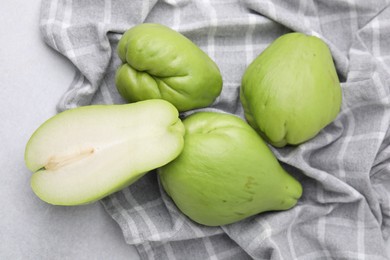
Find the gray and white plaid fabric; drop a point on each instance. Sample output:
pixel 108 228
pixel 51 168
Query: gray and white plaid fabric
pixel 345 171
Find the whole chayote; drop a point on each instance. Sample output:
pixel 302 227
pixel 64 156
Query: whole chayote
pixel 226 172
pixel 160 63
pixel 291 90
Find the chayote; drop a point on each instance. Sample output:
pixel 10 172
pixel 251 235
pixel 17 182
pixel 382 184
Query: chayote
pixel 291 90
pixel 160 63
pixel 226 172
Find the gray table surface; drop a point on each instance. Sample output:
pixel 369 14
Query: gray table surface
pixel 33 78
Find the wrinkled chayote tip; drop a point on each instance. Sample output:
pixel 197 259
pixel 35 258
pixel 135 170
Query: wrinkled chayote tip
pixel 291 91
pixel 160 63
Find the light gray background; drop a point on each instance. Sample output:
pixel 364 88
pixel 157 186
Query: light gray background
pixel 33 78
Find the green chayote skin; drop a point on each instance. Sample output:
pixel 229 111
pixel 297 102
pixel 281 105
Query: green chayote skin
pixel 291 90
pixel 160 63
pixel 226 172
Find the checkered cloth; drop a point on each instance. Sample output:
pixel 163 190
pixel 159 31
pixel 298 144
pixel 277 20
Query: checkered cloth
pixel 345 172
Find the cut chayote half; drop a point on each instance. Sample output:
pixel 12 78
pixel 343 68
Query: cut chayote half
pixel 87 153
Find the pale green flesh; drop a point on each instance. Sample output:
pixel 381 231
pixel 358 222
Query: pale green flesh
pixel 85 154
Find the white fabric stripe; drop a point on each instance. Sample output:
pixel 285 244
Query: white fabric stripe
pixel 354 23
pixel 146 205
pixel 103 27
pixel 207 243
pixel 77 84
pixel 384 65
pixel 258 240
pixel 141 211
pixel 382 90
pixel 249 45
pixel 382 23
pixel 212 28
pixel 349 130
pixel 181 220
pixel 318 23
pixel 289 234
pixel 272 10
pixel 250 49
pixel 361 246
pixel 107 12
pixel 59 23
pixel 52 11
pixel 358 52
pixel 335 17
pixel 339 255
pixel 295 155
pixel 387 196
pixel 384 57
pixel 67 14
pixel 145 9
pixel 151 226
pixel 171 2
pixel 209 248
pixel 343 222
pixel 319 174
pixel 242 22
pixel 384 125
pixel 229 253
pixel 176 18
pixel 321 226
pixel 347 110
pixel 85 50
pixel 308 22
pixel 198 233
pixel 369 136
pixel 132 226
pixel 104 90
pixel 301 12
pixel 69 51
pixel 266 225
pixel 50 21
pixel 149 250
pixel 224 2
pixel 376 49
pixel 265 234
pixel 169 251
